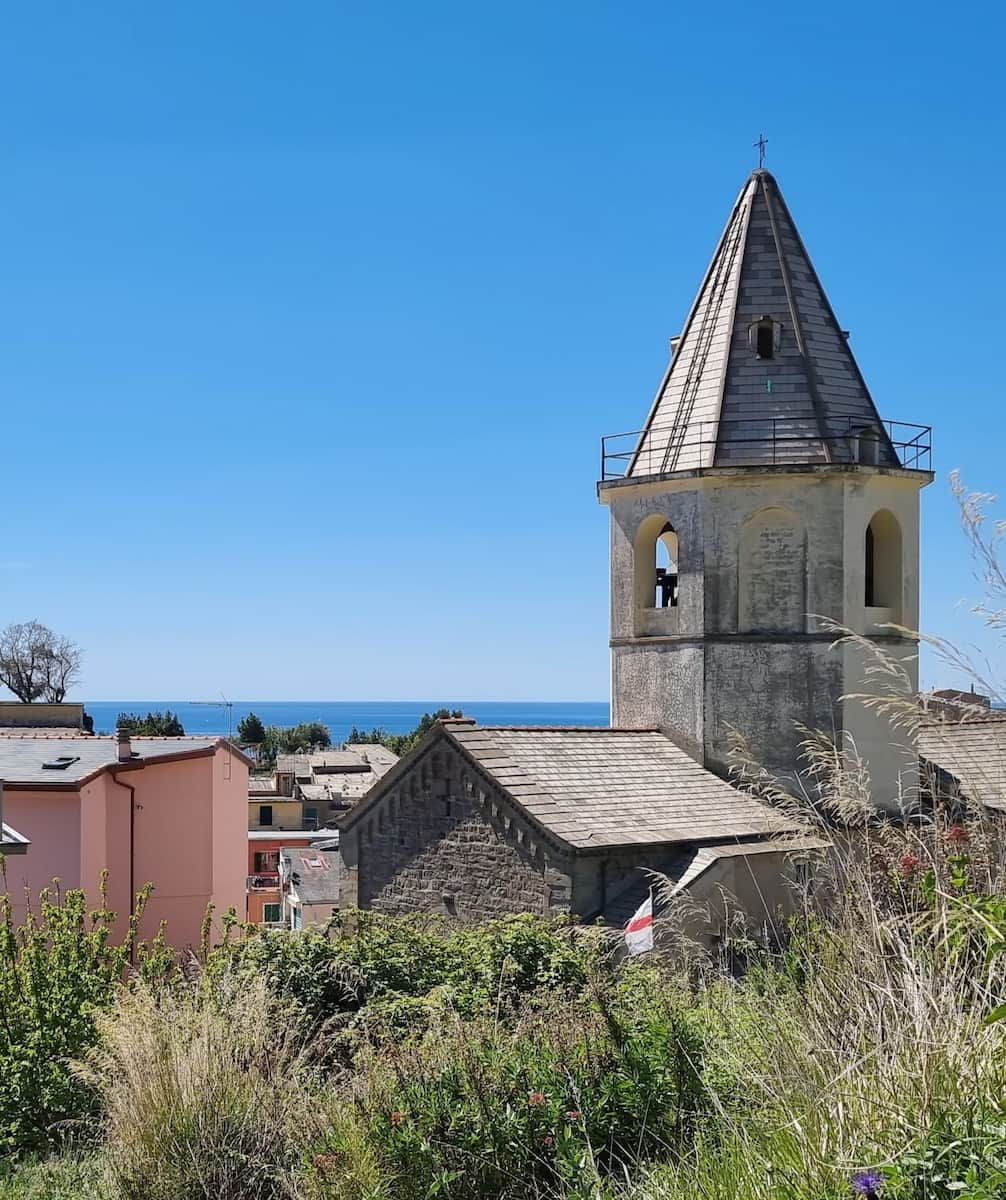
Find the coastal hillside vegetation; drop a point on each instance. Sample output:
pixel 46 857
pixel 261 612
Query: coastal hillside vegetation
pixel 405 1058
pixel 153 724
pixel 856 1049
pixel 402 743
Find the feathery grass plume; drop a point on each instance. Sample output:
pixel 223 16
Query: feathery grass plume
pixel 986 549
pixel 203 1094
pixel 863 1040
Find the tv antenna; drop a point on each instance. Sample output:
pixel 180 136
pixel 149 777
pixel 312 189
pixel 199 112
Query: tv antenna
pixel 223 702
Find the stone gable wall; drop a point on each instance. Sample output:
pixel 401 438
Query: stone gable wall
pixel 446 839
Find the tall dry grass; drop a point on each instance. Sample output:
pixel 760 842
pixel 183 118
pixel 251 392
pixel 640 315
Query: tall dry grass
pixel 204 1095
pixel 864 1043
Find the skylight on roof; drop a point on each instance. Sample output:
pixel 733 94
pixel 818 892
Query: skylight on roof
pixel 60 763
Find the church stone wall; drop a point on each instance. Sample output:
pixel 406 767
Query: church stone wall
pixel 445 841
pixel 772 552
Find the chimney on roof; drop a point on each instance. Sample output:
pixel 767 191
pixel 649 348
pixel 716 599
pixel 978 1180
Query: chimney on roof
pixel 125 748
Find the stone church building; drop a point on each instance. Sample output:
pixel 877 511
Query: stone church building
pixel 764 502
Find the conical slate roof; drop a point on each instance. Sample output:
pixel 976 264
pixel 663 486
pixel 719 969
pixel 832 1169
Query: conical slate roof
pixel 802 399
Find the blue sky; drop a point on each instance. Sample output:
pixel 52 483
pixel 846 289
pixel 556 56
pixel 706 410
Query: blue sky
pixel 313 315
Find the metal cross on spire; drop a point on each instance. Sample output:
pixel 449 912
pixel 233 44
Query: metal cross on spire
pixel 761 144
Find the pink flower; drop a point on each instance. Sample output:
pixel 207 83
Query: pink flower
pixel 909 864
pixel 397 1118
pixel 574 1114
pixel 324 1162
pixel 536 1099
pixel 957 834
pixel 549 1139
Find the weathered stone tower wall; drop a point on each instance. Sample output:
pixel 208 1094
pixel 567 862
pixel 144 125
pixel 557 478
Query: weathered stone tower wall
pixel 763 555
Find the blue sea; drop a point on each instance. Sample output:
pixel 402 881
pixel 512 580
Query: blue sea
pixel 396 716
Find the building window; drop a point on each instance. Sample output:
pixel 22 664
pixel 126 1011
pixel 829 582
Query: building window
pixel 764 336
pixel 298 918
pixel 666 569
pixel 266 861
pixel 882 563
pixel 311 817
pixel 656 564
pixel 265 814
pixel 271 914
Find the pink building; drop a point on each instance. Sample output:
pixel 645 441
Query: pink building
pixel 166 811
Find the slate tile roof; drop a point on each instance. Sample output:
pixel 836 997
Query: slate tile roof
pixel 22 758
pixel 971 752
pixel 719 404
pixel 313 873
pixel 600 787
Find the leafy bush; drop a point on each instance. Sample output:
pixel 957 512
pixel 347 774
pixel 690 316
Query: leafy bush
pixel 66 1178
pixel 57 971
pixel 568 1098
pixel 390 972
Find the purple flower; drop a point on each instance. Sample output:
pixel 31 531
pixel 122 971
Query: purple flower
pixel 866 1183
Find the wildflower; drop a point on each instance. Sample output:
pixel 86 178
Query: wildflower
pixel 574 1114
pixel 549 1139
pixel 397 1118
pixel 909 864
pixel 324 1162
pixel 866 1183
pixel 957 834
pixel 536 1099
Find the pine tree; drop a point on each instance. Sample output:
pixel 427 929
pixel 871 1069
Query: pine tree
pixel 251 731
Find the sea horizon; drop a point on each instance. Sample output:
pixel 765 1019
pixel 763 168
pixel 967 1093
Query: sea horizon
pixel 339 716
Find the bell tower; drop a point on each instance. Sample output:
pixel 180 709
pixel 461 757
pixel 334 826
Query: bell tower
pixel 764 494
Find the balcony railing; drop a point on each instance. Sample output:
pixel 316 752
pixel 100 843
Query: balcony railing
pixel 774 441
pixel 263 883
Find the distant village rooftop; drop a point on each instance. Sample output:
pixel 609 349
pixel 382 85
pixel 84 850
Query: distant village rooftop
pixel 27 760
pixel 968 757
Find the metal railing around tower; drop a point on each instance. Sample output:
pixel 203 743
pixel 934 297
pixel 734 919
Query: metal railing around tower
pixel 774 441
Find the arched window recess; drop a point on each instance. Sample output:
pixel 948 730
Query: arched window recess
pixel 882 567
pixel 665 566
pixel 655 554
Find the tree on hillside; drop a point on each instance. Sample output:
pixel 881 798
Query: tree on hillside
pixel 402 743
pixel 154 724
pixel 295 739
pixel 251 731
pixel 308 735
pixel 37 664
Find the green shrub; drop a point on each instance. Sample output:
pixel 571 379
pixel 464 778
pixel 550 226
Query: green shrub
pixel 367 963
pixel 57 970
pixel 568 1098
pixel 66 1178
